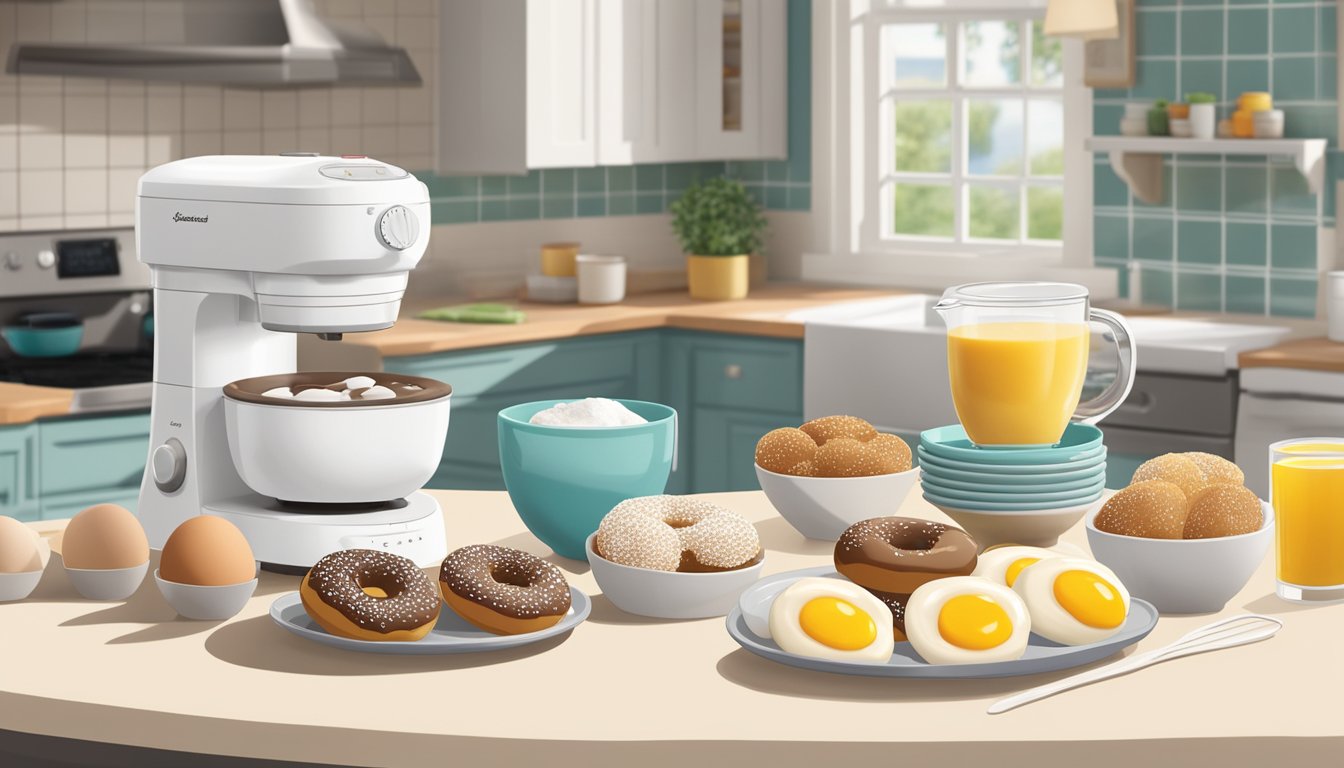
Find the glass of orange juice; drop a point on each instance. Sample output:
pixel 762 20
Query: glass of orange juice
pixel 1306 487
pixel 1017 357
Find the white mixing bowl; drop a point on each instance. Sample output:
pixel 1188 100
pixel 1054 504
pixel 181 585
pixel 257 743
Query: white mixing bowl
pixel 336 453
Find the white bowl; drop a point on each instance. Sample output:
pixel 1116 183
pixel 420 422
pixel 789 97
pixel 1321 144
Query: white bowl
pixel 1133 126
pixel 16 586
pixel 1137 110
pixel 1181 129
pixel 1037 528
pixel 109 583
pixel 206 603
pixel 1182 575
pixel 668 594
pixel 336 455
pixel 823 507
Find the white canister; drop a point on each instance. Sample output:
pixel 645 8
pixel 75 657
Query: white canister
pixel 1334 305
pixel 1202 121
pixel 601 278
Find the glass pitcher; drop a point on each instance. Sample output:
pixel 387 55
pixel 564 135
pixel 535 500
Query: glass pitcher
pixel 1017 357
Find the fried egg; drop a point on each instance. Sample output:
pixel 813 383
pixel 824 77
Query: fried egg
pixel 1002 565
pixel 1073 600
pixel 966 620
pixel 832 619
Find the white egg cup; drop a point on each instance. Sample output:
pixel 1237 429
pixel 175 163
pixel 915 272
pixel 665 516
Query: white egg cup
pixel 108 583
pixel 670 594
pixel 17 586
pixel 206 603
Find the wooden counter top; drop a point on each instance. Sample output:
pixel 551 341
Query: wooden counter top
pixel 622 690
pixel 1316 354
pixel 763 313
pixel 22 403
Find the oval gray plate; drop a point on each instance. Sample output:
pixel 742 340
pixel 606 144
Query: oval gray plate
pixel 1042 655
pixel 451 634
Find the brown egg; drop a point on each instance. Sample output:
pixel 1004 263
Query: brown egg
pixel 19 552
pixel 207 551
pixel 102 537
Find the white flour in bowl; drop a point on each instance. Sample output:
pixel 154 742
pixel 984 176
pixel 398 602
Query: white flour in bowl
pixel 588 412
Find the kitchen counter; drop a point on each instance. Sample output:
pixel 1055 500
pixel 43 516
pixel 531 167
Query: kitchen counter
pixel 621 690
pixel 22 403
pixel 1314 354
pixel 763 313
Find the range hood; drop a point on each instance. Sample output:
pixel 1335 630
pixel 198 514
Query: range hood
pixel 233 42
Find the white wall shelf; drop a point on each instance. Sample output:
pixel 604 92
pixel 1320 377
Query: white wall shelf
pixel 1138 159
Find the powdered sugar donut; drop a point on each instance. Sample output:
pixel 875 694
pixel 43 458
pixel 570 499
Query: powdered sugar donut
pixel 659 532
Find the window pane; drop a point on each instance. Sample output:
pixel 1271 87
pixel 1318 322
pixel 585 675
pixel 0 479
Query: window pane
pixel 1045 213
pixel 993 213
pixel 1045 137
pixel 924 136
pixel 1047 58
pixel 994 136
pixel 992 53
pixel 923 209
pixel 919 53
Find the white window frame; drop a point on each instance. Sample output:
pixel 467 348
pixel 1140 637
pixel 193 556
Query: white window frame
pixel 847 120
pixel 957 93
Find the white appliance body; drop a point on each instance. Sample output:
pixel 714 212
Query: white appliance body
pixel 1280 404
pixel 244 253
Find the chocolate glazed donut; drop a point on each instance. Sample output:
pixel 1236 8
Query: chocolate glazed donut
pixel 502 590
pixel 367 594
pixel 897 555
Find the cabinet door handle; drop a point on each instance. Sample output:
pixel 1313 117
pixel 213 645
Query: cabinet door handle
pixel 732 371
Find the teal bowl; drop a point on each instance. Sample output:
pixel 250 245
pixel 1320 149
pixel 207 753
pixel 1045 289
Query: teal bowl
pixel 564 480
pixel 43 342
pixel 1028 503
pixel 993 485
pixel 1012 494
pixel 1035 471
pixel 1080 442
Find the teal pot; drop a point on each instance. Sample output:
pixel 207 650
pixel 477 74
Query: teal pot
pixel 564 480
pixel 44 334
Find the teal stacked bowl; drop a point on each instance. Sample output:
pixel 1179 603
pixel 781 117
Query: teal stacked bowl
pixel 1013 495
pixel 564 480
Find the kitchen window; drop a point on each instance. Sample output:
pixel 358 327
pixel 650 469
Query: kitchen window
pixel 971 144
pixel 948 145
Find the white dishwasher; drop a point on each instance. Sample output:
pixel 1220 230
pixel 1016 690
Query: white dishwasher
pixel 1282 403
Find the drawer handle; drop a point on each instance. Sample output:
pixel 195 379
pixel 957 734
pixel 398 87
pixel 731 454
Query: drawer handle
pixel 1138 402
pixel 732 371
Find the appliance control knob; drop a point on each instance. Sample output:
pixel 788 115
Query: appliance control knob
pixel 398 228
pixel 46 259
pixel 169 465
pixel 13 261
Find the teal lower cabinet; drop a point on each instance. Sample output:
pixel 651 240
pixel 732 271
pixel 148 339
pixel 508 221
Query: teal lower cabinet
pixel 622 365
pixel 18 472
pixel 728 390
pixel 90 460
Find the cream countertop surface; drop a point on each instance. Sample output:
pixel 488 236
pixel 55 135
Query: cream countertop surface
pixel 622 690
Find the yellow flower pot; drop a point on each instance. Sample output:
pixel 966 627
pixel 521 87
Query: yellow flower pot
pixel 718 278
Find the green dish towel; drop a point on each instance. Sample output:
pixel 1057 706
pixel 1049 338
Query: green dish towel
pixel 475 313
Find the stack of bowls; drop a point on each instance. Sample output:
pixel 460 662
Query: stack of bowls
pixel 1013 495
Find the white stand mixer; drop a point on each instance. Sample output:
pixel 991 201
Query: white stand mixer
pixel 245 252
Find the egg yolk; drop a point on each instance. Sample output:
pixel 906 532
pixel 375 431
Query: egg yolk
pixel 974 622
pixel 837 624
pixel 1090 599
pixel 1016 567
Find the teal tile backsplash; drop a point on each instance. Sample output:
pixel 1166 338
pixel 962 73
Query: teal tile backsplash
pixel 1235 234
pixel 566 193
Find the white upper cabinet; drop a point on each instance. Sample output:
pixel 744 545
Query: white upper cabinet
pixel 569 83
pixel 741 78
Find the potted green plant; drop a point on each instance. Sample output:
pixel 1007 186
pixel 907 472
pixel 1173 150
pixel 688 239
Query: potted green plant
pixel 719 227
